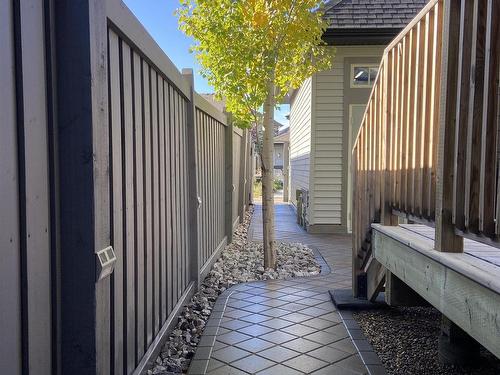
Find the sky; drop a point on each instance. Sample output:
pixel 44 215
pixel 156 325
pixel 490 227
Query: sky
pixel 158 18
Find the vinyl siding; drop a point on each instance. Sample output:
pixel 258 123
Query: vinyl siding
pixel 300 139
pixel 328 127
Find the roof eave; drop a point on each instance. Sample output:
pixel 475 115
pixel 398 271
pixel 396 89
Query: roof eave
pixel 359 36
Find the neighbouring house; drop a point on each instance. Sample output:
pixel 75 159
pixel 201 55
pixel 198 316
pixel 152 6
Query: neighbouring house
pixel 327 109
pixel 281 154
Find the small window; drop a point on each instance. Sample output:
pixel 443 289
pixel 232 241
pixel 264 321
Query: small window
pixel 363 75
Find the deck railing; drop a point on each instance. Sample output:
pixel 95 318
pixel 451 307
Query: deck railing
pixel 427 146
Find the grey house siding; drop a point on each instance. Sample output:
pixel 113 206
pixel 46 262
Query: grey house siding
pixel 328 193
pixel 300 139
pixel 319 128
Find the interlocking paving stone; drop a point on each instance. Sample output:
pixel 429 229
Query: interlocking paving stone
pixel 345 345
pixel 297 317
pixel 204 352
pixel 371 358
pixel 236 314
pixel 255 318
pixel 279 370
pixel 318 323
pixel 275 312
pixel 294 306
pixel 322 337
pixel 278 337
pixel 227 370
pixel 218 345
pixel 255 326
pixel 302 345
pixel 257 299
pixel 255 345
pixel 336 370
pixel 328 354
pixel 230 354
pixel 213 364
pixel 314 311
pixel 255 330
pixel 274 302
pixel 198 366
pixel 278 353
pixel 276 323
pixel 305 363
pixel 256 308
pixel 353 362
pixel 232 338
pixel 235 324
pixel 298 330
pixel 253 364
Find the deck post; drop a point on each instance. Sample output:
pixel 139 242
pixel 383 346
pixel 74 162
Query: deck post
pixel 228 209
pixel 446 239
pixel 397 293
pixel 456 347
pixel 192 179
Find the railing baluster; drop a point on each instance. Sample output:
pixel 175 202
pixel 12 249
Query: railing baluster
pixel 418 124
pixel 464 66
pixel 488 169
pixel 473 157
pixel 410 140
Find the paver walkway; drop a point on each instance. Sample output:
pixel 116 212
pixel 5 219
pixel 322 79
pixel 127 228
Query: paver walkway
pixel 283 327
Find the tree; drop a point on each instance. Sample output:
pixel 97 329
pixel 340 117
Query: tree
pixel 253 52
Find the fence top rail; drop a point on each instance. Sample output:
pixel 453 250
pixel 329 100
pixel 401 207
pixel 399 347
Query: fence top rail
pixel 129 27
pixel 426 9
pixel 205 106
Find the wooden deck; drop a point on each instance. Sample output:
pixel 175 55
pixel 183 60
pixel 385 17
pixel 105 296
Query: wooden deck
pixel 463 286
pixel 478 250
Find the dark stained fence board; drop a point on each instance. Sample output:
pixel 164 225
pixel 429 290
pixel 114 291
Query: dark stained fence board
pixel 174 192
pixel 140 264
pixel 10 266
pixel 100 152
pixel 162 203
pixel 168 194
pixel 129 207
pixel 116 202
pixel 148 222
pixel 35 241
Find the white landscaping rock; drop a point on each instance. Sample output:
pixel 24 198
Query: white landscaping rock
pixel 241 261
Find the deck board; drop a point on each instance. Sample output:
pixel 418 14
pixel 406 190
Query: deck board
pixel 476 249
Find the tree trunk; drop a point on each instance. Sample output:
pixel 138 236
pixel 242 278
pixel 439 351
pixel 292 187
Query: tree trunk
pixel 267 181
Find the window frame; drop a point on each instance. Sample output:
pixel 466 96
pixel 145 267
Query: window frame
pixel 361 65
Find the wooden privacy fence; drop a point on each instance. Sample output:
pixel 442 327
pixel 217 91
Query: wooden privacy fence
pixel 104 143
pixel 427 149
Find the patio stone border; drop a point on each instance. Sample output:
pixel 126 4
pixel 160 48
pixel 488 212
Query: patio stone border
pixel 366 352
pixel 199 364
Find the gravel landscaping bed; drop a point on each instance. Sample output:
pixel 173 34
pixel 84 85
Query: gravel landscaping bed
pixel 241 261
pixel 406 340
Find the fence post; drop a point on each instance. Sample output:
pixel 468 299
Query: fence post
pixel 446 239
pixel 228 211
pixel 82 118
pixel 192 180
pixel 243 176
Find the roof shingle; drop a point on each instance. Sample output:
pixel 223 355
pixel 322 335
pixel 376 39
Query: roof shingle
pixel 371 14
